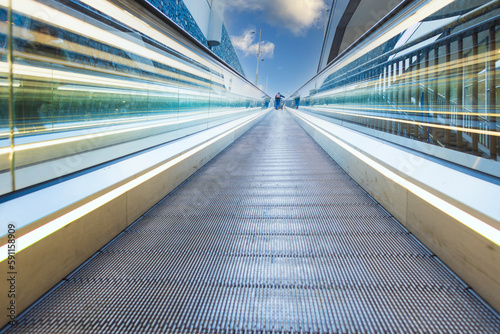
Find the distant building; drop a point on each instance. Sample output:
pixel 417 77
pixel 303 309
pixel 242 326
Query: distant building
pixel 203 20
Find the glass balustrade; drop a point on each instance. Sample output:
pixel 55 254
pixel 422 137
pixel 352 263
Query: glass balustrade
pixel 86 82
pixel 427 79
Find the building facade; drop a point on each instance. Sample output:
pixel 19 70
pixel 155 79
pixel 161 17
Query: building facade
pixel 203 20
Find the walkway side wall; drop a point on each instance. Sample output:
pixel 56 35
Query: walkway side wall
pixel 472 257
pixel 45 263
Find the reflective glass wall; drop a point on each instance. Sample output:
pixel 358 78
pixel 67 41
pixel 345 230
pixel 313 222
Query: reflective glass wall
pixel 83 82
pixel 427 79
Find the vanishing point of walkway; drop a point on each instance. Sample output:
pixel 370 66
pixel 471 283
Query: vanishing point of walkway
pixel 270 236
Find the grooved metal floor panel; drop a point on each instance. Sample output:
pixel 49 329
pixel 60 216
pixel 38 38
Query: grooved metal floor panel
pixel 270 236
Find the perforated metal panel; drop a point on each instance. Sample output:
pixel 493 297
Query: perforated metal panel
pixel 271 236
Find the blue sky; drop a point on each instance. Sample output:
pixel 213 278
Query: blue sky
pixel 292 37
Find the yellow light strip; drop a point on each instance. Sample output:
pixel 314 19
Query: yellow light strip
pixel 47 143
pixel 71 77
pixel 30 146
pixel 68 76
pixel 67 22
pixel 21 32
pixel 45 230
pixel 418 16
pixel 112 122
pixel 408 75
pixel 410 111
pixel 133 21
pixel 6 84
pixel 430 125
pixel 475 224
pixel 175 91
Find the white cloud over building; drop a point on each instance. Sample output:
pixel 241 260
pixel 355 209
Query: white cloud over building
pixel 296 16
pixel 248 42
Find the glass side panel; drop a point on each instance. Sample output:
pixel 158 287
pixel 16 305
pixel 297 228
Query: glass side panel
pixel 429 78
pixel 5 126
pixel 95 81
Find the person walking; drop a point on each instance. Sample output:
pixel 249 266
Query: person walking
pixel 297 102
pixel 277 100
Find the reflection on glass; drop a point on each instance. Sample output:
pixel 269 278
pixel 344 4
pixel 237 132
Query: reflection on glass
pixel 437 82
pixel 87 87
pixel 6 162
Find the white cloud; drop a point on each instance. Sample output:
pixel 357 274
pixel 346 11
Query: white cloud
pixel 294 15
pixel 247 4
pixel 247 43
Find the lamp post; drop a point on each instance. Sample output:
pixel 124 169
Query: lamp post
pixel 258 58
pixel 262 68
pixel 326 21
pixel 264 82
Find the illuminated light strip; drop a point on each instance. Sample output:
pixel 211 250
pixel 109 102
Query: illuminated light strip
pixel 118 122
pixel 93 125
pixel 94 80
pixel 6 84
pixel 430 125
pixel 139 25
pixel 172 90
pixel 24 147
pixel 100 123
pixel 108 91
pixel 52 74
pixel 418 16
pixel 48 73
pixel 117 91
pixel 68 22
pixel 475 224
pixel 45 230
pixel 30 146
pixel 370 84
pixel 465 62
pixel 21 32
pixel 453 65
pixel 426 112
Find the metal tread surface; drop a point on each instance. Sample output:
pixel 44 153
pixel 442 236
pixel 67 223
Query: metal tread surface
pixel 271 236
